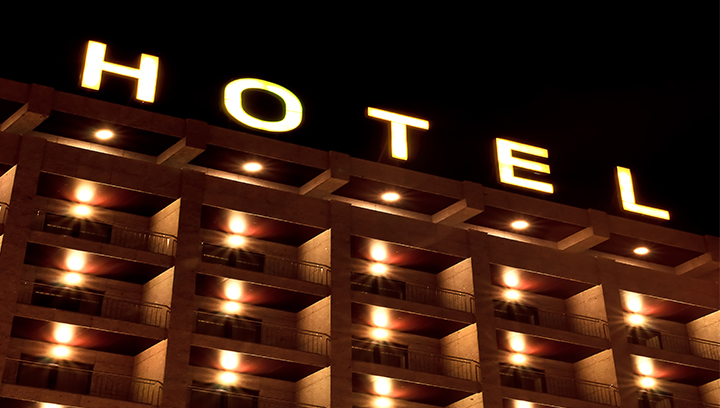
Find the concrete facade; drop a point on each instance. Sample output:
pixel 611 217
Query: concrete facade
pixel 327 296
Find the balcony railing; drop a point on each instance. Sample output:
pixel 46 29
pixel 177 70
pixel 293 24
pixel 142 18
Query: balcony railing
pixel 385 354
pixel 674 342
pixel 80 381
pixel 269 264
pixel 661 400
pixel 413 292
pixel 569 387
pixel 214 398
pixel 3 212
pixel 256 331
pixel 125 237
pixel 588 326
pixel 93 303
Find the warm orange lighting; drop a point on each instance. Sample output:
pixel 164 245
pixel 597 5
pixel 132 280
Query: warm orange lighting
pixel 72 278
pixel 634 304
pixel 517 343
pixel 627 197
pixel 645 366
pixel 380 334
pixel 511 294
pixel 511 279
pixel 647 382
pixel 518 358
pixel 75 262
pixel 636 319
pixel 641 251
pixel 519 225
pixel 60 351
pixel 507 164
pixel 95 64
pixel 233 103
pixel 383 402
pixel 236 241
pixel 104 134
pixel 81 210
pixel 49 405
pixel 390 197
pixel 252 167
pixel 378 269
pixel 237 225
pixel 378 252
pixel 84 194
pixel 231 307
pixel 523 404
pixel 382 386
pixel 380 317
pixel 233 291
pixel 227 378
pixel 63 333
pixel 229 360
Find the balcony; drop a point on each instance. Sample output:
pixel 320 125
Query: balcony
pixel 665 400
pixel 401 357
pixel 125 237
pixel 674 342
pixel 81 381
pixel 269 264
pixel 214 398
pixel 538 381
pixel 552 319
pixel 93 303
pixel 413 292
pixel 256 331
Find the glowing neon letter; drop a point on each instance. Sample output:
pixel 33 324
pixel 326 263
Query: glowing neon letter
pixel 627 197
pixel 95 64
pixel 507 163
pixel 398 130
pixel 233 104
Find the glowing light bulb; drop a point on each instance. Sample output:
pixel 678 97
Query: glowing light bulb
pixel 380 318
pixel 520 224
pixel 75 262
pixel 647 382
pixel 84 194
pixel 236 241
pixel 228 378
pixel 641 251
pixel 378 269
pixel 237 225
pixel 104 134
pixel 634 304
pixel 383 402
pixel 636 319
pixel 511 294
pixel 229 360
pixel 517 343
pixel 390 197
pixel 231 307
pixel 63 333
pixel 72 278
pixel 382 386
pixel 380 334
pixel 378 252
pixel 645 366
pixel 233 291
pixel 61 351
pixel 511 279
pixel 523 404
pixel 518 358
pixel 81 210
pixel 252 167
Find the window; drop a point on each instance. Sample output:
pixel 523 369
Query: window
pixel 644 337
pixel 233 257
pixel 385 353
pixel 524 378
pixel 516 312
pixel 60 375
pixel 64 298
pixel 78 228
pixel 378 286
pixel 219 325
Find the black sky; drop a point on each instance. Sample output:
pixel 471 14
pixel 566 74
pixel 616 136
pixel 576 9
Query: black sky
pixel 599 85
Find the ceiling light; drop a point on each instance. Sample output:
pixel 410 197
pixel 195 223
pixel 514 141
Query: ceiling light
pixel 378 252
pixel 75 262
pixel 84 194
pixel 523 404
pixel 104 134
pixel 634 304
pixel 81 210
pixel 511 294
pixel 378 268
pixel 517 343
pixel 228 378
pixel 520 224
pixel 63 333
pixel 49 405
pixel 229 360
pixel 383 402
pixel 518 358
pixel 641 251
pixel 645 366
pixel 252 167
pixel 511 279
pixel 380 317
pixel 231 307
pixel 380 334
pixel 233 291
pixel 61 351
pixel 636 319
pixel 72 278
pixel 390 197
pixel 647 382
pixel 236 241
pixel 237 225
pixel 382 386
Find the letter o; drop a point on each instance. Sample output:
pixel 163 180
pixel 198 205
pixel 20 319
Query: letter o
pixel 233 104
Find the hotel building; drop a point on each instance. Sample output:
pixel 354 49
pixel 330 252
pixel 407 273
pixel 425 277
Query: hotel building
pixel 169 263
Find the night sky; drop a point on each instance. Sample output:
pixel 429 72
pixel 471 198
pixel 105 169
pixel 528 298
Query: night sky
pixel 599 86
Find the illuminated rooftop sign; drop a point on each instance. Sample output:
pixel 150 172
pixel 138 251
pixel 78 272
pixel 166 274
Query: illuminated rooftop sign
pixel 146 76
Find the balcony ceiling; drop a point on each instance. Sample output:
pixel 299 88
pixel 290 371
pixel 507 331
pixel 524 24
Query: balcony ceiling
pixel 268 229
pixel 542 228
pixel 659 253
pixel 98 265
pixel 666 309
pixel 275 170
pixel 546 348
pixel 253 365
pixel 87 338
pixel 679 373
pixel 539 283
pixel 126 138
pixel 407 322
pixel 410 391
pixel 403 256
pixel 109 197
